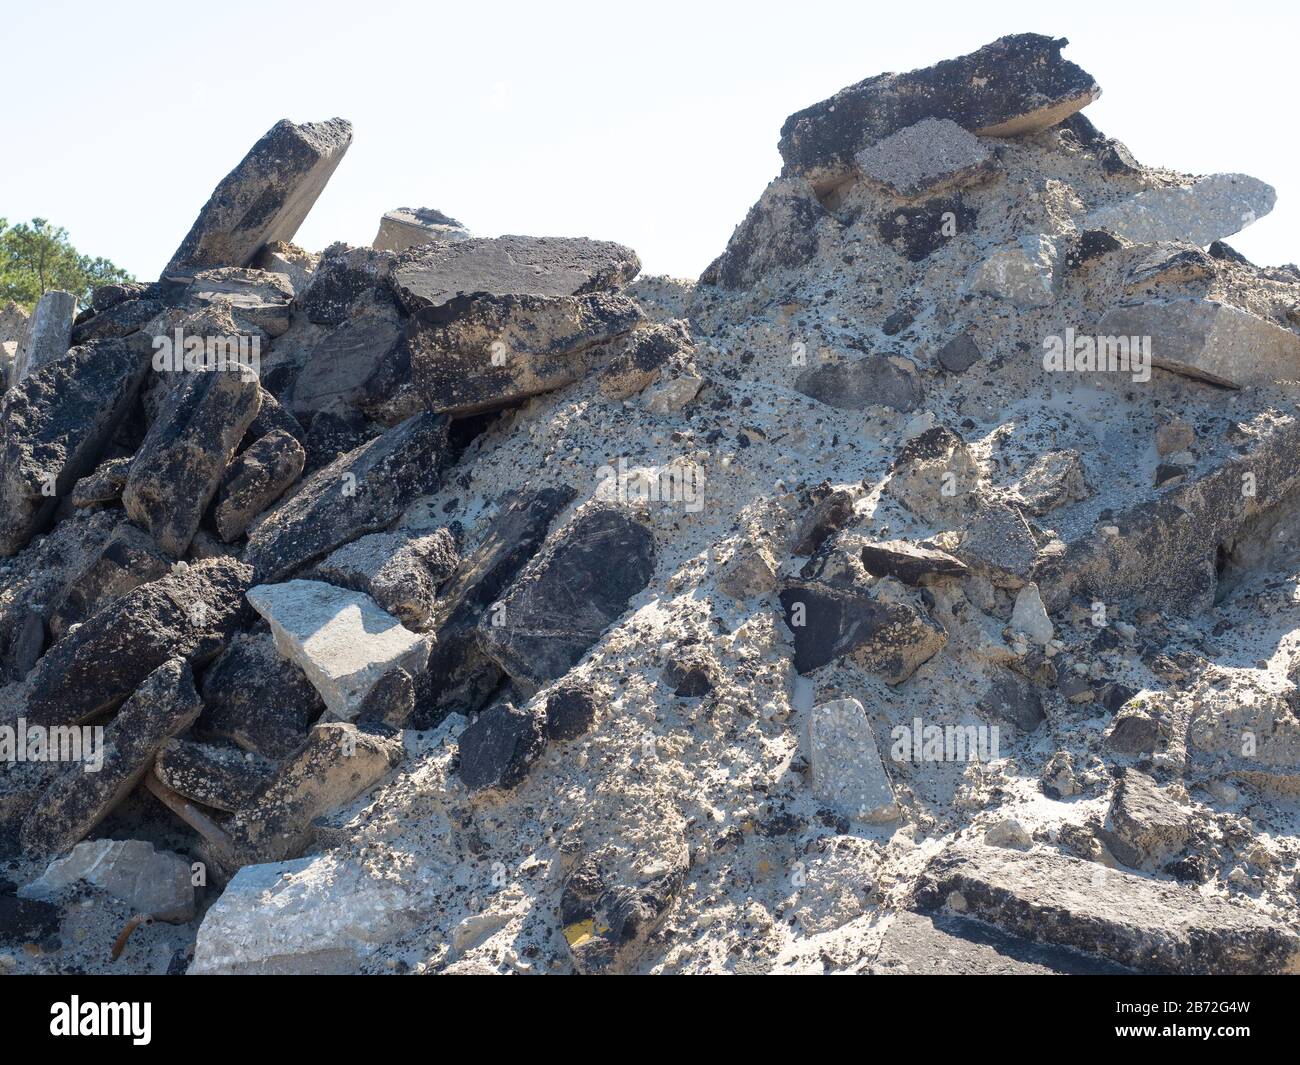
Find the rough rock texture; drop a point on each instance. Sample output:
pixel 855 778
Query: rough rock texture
pixel 265 198
pixel 498 350
pixel 179 467
pixel 46 336
pixel 408 227
pixel 400 573
pixel 258 476
pixel 846 771
pixel 164 704
pixel 157 883
pixel 575 588
pixel 1018 84
pixel 361 491
pixel 434 277
pixel 1142 924
pixel 55 425
pixel 342 640
pixel 190 613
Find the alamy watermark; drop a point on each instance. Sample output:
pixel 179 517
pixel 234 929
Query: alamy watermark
pixel 919 742
pixel 1088 353
pixel 21 742
pixel 180 353
pixel 678 482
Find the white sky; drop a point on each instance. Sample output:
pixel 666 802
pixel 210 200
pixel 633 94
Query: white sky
pixel 653 124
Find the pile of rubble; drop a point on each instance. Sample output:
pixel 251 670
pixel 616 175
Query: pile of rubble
pixel 914 593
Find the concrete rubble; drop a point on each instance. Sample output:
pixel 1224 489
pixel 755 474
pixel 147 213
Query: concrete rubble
pixel 914 592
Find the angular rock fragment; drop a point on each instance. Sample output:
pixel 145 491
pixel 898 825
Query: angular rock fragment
pixel 256 298
pixel 1055 479
pixel 157 883
pixel 1146 825
pixel 360 492
pixel 846 772
pixel 691 672
pixel 941 944
pixel 640 357
pixel 104 485
pixel 564 600
pixel 606 921
pixel 1209 209
pixel 391 701
pixel 498 746
pixel 999 543
pixel 255 699
pixel 347 282
pixel 409 227
pixel 498 350
pixel 55 426
pixel 1012 700
pixel 313 916
pixel 1018 84
pixel 460 676
pixel 335 764
pixel 345 360
pixel 853 384
pixel 224 778
pixel 1209 340
pixel 341 639
pixel 890 638
pixel 570 711
pixel 1029 616
pixel 781 231
pixel 42 576
pixel 1143 924
pixel 1023 273
pixel 401 573
pixel 264 199
pixel 931 156
pixel 163 705
pixel 438 275
pixel 127 559
pixel 826 517
pixel 188 614
pixel 1135 730
pixel 935 476
pixel 750 572
pixel 910 563
pixel 281 257
pixel 179 467
pixel 259 475
pixel 47 335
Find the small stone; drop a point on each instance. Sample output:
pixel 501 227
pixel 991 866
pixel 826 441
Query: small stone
pixel 959 354
pixel 570 712
pixel 157 883
pixel 1030 616
pixel 224 778
pixel 931 156
pixel 498 746
pixel 342 640
pixel 1008 833
pixel 846 772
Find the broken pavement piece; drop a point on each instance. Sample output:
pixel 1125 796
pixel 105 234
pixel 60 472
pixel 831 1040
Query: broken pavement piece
pixel 435 276
pixel 258 476
pixel 265 198
pixel 1147 925
pixel 165 704
pixel 928 157
pixel 499 350
pixel 498 746
pixel 341 639
pixel 156 883
pixel 1016 85
pixel 179 467
pixel 362 491
pixel 255 699
pixel 409 227
pixel 565 599
pixel 845 768
pixel 1201 213
pixel 223 778
pixel 55 425
pixel 189 614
